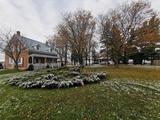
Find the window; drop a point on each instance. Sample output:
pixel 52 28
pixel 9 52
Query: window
pixel 42 60
pixel 11 61
pixel 38 47
pixel 32 47
pixel 30 59
pixel 37 61
pixel 20 61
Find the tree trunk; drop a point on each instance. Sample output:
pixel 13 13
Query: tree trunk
pixel 61 61
pixel 16 65
pixel 125 59
pixel 116 64
pixel 86 60
pixel 66 48
pixel 80 59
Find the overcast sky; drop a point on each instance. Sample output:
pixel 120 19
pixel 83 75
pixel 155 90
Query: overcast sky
pixel 37 19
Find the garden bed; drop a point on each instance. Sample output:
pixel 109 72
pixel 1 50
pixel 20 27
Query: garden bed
pixel 56 78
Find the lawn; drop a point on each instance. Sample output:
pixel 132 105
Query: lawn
pixel 128 72
pixel 7 71
pixel 129 93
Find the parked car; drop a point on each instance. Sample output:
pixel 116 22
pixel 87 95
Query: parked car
pixel 146 62
pixel 111 62
pixel 1 66
pixel 103 63
pixel 130 61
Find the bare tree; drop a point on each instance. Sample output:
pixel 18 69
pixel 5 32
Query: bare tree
pixel 129 16
pixel 94 53
pixel 126 18
pixel 105 31
pixel 90 44
pixel 111 39
pixel 59 41
pixel 75 34
pixel 80 27
pixel 12 46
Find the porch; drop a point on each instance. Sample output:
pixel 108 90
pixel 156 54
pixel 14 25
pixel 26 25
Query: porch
pixel 42 61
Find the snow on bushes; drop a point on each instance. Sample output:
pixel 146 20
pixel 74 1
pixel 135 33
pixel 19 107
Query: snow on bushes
pixel 52 81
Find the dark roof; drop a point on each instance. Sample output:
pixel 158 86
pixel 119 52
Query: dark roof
pixel 36 47
pixel 41 53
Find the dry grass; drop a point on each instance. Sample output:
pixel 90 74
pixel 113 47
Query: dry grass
pixel 127 72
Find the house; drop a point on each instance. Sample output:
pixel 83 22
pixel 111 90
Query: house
pixel 1 65
pixel 35 53
pixel 156 57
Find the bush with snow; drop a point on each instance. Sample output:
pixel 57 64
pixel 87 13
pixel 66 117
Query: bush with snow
pixel 52 81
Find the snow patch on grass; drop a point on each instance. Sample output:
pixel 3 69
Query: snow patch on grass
pixel 131 86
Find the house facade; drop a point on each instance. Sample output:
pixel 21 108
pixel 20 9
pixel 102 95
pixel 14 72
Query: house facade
pixel 156 57
pixel 35 53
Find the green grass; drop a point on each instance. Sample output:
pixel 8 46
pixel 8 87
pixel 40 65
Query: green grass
pixel 90 102
pixel 8 71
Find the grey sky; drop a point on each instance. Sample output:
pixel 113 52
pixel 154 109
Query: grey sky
pixel 37 19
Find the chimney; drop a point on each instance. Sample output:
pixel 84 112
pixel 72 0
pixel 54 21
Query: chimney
pixel 18 32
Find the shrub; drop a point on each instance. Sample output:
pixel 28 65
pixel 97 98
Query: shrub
pixel 47 66
pixel 31 67
pixel 50 84
pixel 78 82
pixel 1 66
pixel 51 81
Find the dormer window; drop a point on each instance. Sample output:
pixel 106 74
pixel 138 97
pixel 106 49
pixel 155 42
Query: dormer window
pixel 33 47
pixel 51 50
pixel 38 47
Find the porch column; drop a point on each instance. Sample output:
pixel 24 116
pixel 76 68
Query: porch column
pixel 45 61
pixel 32 60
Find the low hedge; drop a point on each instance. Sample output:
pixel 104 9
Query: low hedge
pixel 51 81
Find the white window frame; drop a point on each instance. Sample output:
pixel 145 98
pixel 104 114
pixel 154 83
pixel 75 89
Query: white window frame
pixel 11 61
pixel 51 50
pixel 21 60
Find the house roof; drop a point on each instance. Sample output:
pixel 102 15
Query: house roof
pixel 37 47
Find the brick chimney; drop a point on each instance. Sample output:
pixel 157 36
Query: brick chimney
pixel 18 33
